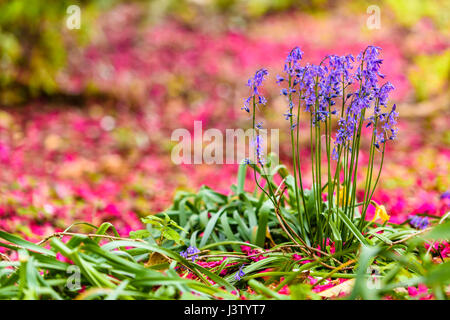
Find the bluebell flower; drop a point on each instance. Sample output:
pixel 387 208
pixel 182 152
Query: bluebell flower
pixel 239 274
pixel 445 195
pixel 338 76
pixel 191 252
pixel 287 115
pixel 320 87
pixel 279 79
pixel 257 144
pixel 254 83
pixel 246 108
pixel 383 93
pixel 419 222
pixel 247 104
pixel 293 61
pixel 262 100
pixel 257 80
pixel 334 154
pixel 389 125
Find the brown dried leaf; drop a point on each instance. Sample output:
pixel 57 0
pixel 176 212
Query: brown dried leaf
pixel 157 258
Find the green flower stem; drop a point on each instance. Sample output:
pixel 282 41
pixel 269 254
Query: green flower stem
pixel 312 154
pixel 318 185
pixel 330 185
pixel 254 171
pixel 369 174
pixel 298 158
pixel 302 192
pixel 376 182
pixel 352 173
pixel 294 160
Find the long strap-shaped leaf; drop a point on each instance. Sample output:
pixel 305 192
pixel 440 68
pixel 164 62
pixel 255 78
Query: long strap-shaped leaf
pixel 353 228
pixel 25 244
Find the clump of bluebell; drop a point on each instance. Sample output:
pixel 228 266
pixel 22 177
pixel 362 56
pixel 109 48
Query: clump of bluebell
pixel 339 100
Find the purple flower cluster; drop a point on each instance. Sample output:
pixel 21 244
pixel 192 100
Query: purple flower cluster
pixel 191 252
pixel 340 72
pixel 257 144
pixel 419 222
pixel 292 63
pixel 319 87
pixel 344 135
pixel 254 83
pixel 239 274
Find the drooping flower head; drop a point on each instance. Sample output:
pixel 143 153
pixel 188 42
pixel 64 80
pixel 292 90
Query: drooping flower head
pixel 292 62
pixel 369 71
pixel 340 71
pixel 292 70
pixel 389 125
pixel 382 94
pixel 366 96
pixel 254 83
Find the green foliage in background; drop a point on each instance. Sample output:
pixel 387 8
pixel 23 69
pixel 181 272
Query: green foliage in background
pixel 409 12
pixel 430 75
pixel 33 48
pixel 34 39
pixel 35 42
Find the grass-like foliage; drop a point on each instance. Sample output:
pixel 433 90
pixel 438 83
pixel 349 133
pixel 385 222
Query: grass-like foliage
pixel 242 252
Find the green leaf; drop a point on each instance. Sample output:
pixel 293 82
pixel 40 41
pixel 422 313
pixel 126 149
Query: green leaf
pixel 171 234
pixel 227 230
pixel 172 223
pixel 139 234
pixel 441 232
pixel 210 226
pixel 104 227
pixel 263 216
pixel 352 228
pixel 439 275
pixel 24 244
pixel 155 221
pixel 334 230
pixel 259 287
pixel 242 226
pixel 360 288
pixel 241 178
